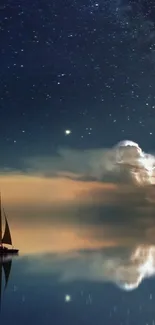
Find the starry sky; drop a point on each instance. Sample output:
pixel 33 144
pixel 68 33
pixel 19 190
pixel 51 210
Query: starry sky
pixel 85 66
pixel 76 78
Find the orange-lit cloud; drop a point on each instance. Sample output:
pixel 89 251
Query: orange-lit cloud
pixel 37 190
pixel 27 190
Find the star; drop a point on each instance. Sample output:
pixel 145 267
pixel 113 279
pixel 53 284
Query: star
pixel 67 132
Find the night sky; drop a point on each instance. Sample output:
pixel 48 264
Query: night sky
pixel 85 66
pixel 77 77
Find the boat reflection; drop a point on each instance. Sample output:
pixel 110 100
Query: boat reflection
pixel 5 266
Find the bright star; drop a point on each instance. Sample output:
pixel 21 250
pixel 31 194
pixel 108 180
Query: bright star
pixel 67 132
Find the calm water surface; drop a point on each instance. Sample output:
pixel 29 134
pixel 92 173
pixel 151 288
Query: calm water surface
pixel 74 289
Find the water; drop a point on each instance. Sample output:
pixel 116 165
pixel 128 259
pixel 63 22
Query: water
pixel 71 289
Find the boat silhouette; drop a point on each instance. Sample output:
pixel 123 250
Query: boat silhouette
pixel 6 237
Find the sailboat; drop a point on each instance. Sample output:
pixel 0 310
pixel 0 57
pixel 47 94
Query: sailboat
pixel 6 237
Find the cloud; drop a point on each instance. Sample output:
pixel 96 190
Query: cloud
pixel 78 163
pixel 84 182
pixel 125 162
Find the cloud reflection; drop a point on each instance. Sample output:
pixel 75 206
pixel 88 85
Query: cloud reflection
pixel 126 269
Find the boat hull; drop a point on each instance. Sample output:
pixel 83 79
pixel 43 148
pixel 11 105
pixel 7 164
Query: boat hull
pixel 8 251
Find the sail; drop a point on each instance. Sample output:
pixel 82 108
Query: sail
pixel 7 269
pixel 7 235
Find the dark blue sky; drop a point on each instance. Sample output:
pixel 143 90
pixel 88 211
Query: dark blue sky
pixel 87 66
